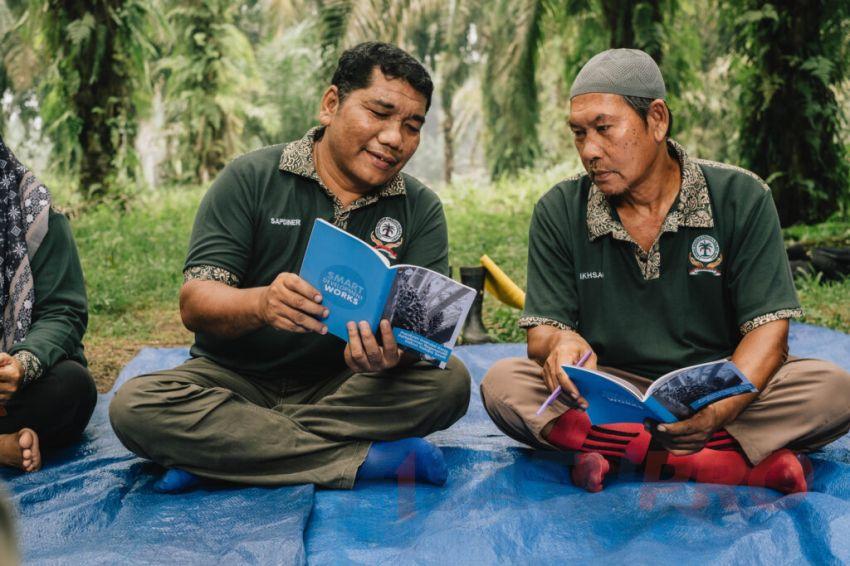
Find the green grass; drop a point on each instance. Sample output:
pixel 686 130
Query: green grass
pixel 133 259
pixel 493 220
pixel 834 232
pixel 824 303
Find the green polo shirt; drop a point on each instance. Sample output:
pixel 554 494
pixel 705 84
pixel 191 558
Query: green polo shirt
pixel 717 270
pixel 60 312
pixel 254 223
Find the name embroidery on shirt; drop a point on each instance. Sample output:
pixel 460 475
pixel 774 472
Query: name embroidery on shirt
pixel 591 275
pixel 285 221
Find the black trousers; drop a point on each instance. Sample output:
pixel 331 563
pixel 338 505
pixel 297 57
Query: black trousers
pixel 57 406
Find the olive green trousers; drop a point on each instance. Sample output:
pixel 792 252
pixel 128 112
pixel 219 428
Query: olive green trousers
pixel 213 422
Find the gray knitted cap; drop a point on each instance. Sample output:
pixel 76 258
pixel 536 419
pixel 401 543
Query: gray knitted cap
pixel 628 72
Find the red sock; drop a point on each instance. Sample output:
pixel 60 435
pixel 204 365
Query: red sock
pixel 781 471
pixel 722 440
pixel 590 470
pixel 573 431
pixel 706 466
pixel 721 461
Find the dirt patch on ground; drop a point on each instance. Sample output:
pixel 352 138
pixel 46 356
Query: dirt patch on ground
pixel 108 354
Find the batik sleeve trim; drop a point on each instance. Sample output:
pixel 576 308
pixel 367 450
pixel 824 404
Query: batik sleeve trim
pixel 761 320
pixel 533 321
pixel 31 366
pixel 210 273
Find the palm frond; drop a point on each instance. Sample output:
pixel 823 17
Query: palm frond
pixel 511 108
pixel 210 75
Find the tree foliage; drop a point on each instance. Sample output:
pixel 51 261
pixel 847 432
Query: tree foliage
pixel 18 63
pixel 95 54
pixel 511 107
pixel 793 57
pixel 454 56
pixel 288 104
pixel 234 75
pixel 210 73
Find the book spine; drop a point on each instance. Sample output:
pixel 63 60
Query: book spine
pixel 660 411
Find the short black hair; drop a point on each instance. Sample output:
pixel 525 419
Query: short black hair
pixel 354 69
pixel 641 106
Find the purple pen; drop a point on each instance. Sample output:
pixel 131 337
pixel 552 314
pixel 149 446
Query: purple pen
pixel 558 389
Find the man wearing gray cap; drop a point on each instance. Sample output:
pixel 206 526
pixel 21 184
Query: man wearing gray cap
pixel 653 261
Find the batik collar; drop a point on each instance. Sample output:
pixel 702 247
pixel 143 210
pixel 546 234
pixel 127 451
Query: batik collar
pixel 693 208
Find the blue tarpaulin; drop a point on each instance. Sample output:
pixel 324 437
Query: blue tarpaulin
pixel 94 504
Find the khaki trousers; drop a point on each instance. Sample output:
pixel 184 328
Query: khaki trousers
pixel 805 406
pixel 212 422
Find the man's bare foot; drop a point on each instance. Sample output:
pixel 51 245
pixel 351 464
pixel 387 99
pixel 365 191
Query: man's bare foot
pixel 590 470
pixel 20 449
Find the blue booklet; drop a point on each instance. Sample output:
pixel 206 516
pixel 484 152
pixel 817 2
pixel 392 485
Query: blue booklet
pixel 673 397
pixel 426 309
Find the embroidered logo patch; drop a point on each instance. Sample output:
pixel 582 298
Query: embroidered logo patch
pixel 387 236
pixel 705 255
pixel 388 230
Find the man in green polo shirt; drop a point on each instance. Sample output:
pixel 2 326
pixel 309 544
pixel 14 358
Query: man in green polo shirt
pixel 653 261
pixel 269 397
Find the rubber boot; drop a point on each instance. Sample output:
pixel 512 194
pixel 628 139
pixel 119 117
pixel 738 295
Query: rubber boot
pixel 473 329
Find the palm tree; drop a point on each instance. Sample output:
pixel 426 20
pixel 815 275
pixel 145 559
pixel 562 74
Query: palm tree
pixel 443 35
pixel 209 76
pixel 794 55
pixel 18 64
pixel 512 35
pixel 635 24
pixel 95 54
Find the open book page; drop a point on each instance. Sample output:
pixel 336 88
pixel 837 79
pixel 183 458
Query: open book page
pixel 427 310
pixel 686 391
pixel 352 277
pixel 610 399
